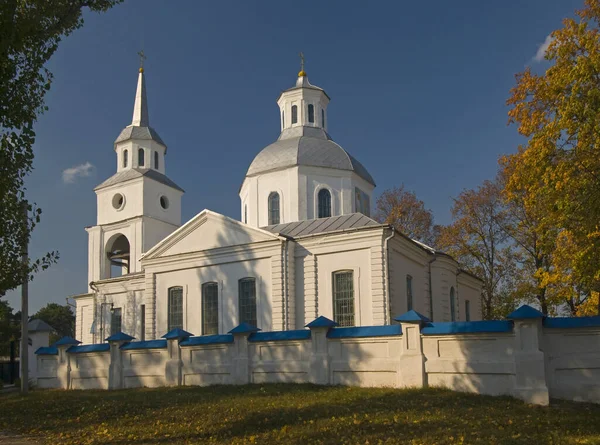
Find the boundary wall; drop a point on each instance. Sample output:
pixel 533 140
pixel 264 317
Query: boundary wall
pixel 526 356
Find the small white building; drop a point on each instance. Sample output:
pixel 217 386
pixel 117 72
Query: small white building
pixel 305 245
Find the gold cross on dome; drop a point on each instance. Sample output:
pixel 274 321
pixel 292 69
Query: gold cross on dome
pixel 142 57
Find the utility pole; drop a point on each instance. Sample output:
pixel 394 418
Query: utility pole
pixel 25 306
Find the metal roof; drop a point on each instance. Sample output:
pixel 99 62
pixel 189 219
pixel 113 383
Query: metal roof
pixel 142 133
pixel 322 225
pixel 134 173
pixel 38 325
pixel 306 146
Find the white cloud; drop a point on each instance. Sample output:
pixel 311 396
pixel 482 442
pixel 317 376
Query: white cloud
pixel 70 175
pixel 541 52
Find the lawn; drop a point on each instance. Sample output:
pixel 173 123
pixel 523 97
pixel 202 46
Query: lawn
pixel 292 414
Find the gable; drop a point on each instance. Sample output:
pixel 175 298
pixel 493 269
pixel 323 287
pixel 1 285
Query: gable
pixel 207 230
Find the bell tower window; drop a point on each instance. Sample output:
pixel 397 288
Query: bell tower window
pixel 140 157
pixel 283 119
pixel 311 113
pixel 125 156
pixel 274 209
pixel 156 160
pixel 294 114
pixel 323 118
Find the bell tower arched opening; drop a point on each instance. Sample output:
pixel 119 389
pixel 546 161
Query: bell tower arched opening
pixel 118 254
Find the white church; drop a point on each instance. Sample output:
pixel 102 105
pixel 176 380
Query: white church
pixel 304 246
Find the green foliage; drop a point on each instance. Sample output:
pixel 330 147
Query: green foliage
pixel 10 328
pixel 30 31
pixel 61 318
pixel 293 414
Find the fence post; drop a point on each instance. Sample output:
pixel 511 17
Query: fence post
pixel 319 358
pixel 529 356
pixel 63 367
pixel 241 372
pixel 174 365
pixel 411 369
pixel 115 369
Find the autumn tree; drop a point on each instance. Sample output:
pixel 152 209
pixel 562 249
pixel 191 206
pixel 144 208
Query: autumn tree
pixel 559 166
pixel 478 239
pixel 407 213
pixel 30 31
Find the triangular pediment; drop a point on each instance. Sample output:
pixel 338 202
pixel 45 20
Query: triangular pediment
pixel 208 230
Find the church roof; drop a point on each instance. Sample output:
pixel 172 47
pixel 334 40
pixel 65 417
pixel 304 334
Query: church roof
pixel 306 146
pixel 37 325
pixel 143 133
pixel 134 173
pixel 322 225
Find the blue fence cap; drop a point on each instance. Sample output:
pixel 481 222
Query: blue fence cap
pixel 321 322
pixel 98 347
pixel 65 341
pixel 120 336
pixel 467 327
pixel 207 340
pixel 412 316
pixel 244 328
pixel 298 334
pixel 365 331
pixel 572 322
pixel 524 312
pixel 177 333
pixel 47 350
pixel 148 344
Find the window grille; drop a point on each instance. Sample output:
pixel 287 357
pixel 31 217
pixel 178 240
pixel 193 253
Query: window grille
pixel 343 298
pixel 294 114
pixel 409 293
pixel 210 309
pixel 175 315
pixel 115 321
pixel 274 209
pixel 311 113
pixel 452 305
pixel 247 301
pixel 324 199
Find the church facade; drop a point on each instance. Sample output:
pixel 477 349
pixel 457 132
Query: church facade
pixel 304 246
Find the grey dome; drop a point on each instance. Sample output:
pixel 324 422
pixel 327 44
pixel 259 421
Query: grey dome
pixel 306 146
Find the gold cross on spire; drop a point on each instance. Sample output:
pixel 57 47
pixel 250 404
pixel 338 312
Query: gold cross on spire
pixel 142 57
pixel 302 73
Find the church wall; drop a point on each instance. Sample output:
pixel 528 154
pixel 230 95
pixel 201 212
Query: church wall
pixel 443 278
pixel 84 317
pixel 152 192
pixel 284 182
pixel 227 276
pixel 155 231
pixel 408 260
pixel 133 206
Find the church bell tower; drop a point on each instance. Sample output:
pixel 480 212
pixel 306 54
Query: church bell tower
pixel 139 205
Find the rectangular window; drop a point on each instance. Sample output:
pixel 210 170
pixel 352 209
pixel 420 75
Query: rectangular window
pixel 467 310
pixel 115 321
pixel 210 309
pixel 409 293
pixel 175 308
pixel 343 298
pixel 247 301
pixel 143 322
pixel 311 113
pixel 323 118
pixel 294 114
pixel 362 203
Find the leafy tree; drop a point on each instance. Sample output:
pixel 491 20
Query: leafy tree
pixel 559 167
pixel 477 238
pixel 9 327
pixel 61 318
pixel 30 31
pixel 407 213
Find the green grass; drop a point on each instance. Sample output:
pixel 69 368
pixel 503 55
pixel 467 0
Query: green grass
pixel 292 414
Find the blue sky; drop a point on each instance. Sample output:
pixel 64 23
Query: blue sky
pixel 418 96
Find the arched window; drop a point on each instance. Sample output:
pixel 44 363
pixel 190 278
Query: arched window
pixel 156 160
pixel 175 309
pixel 210 309
pixel 323 117
pixel 274 209
pixel 311 113
pixel 125 158
pixel 247 300
pixel 467 310
pixel 324 199
pixel 343 297
pixel 141 157
pixel 409 293
pixel 452 305
pixel 294 114
pixel 283 119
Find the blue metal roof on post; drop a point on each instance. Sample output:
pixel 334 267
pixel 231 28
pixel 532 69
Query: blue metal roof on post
pixel 177 333
pixel 120 336
pixel 412 316
pixel 321 322
pixel 47 350
pixel 525 312
pixel 66 341
pixel 244 328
